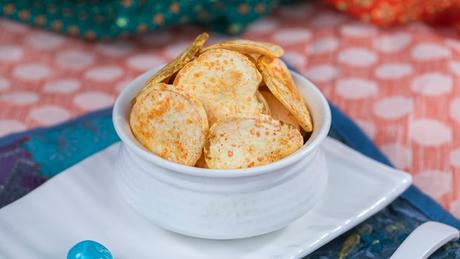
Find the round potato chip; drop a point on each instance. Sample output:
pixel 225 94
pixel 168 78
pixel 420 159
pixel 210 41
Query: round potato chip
pixel 170 125
pixel 264 103
pixel 249 47
pixel 176 64
pixel 247 142
pixel 198 105
pixel 278 111
pixel 224 81
pixel 278 79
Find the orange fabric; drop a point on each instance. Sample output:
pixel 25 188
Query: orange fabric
pixel 392 12
pixel 402 85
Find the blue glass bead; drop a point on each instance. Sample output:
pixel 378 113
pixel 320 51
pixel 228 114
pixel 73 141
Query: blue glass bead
pixel 89 249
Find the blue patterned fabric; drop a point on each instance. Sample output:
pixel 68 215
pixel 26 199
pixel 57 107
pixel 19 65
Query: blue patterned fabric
pixel 30 158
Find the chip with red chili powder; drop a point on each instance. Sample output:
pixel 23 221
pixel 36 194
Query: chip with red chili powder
pixel 239 87
pixel 225 82
pixel 170 125
pixel 199 106
pixel 279 80
pixel 247 142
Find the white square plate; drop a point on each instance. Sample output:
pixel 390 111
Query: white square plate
pixel 82 203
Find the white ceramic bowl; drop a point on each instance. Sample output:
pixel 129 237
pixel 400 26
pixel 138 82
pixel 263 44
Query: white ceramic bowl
pixel 221 204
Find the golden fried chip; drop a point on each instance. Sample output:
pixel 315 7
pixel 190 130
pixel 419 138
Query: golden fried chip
pixel 278 79
pixel 278 111
pixel 176 64
pixel 247 142
pixel 253 58
pixel 201 163
pixel 249 47
pixel 198 105
pixel 264 103
pixel 224 81
pixel 169 124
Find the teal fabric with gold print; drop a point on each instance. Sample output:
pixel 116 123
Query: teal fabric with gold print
pixel 99 19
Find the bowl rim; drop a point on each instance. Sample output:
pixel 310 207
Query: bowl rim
pixel 308 147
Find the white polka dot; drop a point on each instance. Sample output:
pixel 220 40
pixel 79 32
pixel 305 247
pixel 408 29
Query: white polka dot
pixel 297 11
pixel 93 100
pixel 144 62
pixel 455 44
pixel 390 71
pixel 455 208
pixel 432 84
pixel 419 27
pixel 430 132
pixel 368 127
pixel 394 107
pixel 295 58
pixel 62 86
pixel 358 30
pixel 322 73
pixel 9 53
pixel 391 43
pixel 434 182
pixel 10 126
pixel 44 40
pixel 357 57
pixel 454 67
pixel 13 27
pixel 114 49
pixel 399 155
pixel 292 36
pixel 323 45
pixel 74 59
pixel 157 38
pixel 261 26
pixel 4 83
pixel 19 97
pixel 328 19
pixel 173 50
pixel 31 72
pixel 49 114
pixel 454 109
pixel 355 88
pixel 104 74
pixel 454 157
pixel 429 51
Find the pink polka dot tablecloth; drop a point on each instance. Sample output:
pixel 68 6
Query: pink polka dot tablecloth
pixel 401 85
